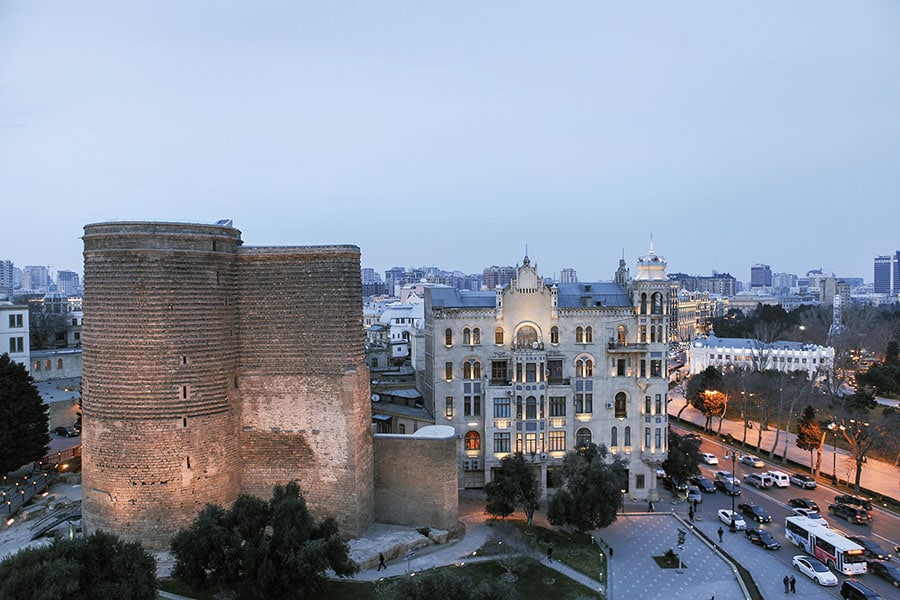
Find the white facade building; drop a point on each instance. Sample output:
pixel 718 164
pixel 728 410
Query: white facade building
pixel 755 355
pixel 14 336
pixel 542 369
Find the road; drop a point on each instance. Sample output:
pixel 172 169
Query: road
pixel 885 528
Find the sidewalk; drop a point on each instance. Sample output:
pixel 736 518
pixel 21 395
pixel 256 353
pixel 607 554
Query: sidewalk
pixel 877 476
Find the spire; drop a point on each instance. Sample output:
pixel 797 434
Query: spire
pixel 651 245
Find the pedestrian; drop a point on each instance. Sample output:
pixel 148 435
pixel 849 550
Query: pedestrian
pixel 720 532
pixel 381 564
pixel 691 514
pixel 550 553
pixel 787 584
pixel 793 585
pixel 610 551
pixel 649 506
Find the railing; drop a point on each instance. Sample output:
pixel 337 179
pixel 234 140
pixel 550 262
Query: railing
pixel 16 493
pixel 559 381
pixel 626 347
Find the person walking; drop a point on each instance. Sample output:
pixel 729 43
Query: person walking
pixel 691 514
pixel 381 564
pixel 550 553
pixel 787 584
pixel 720 532
pixel 793 585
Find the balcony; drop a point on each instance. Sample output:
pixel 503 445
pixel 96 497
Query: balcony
pixel 617 347
pixel 500 382
pixel 559 381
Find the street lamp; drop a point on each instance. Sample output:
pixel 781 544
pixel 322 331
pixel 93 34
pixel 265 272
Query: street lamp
pixel 623 500
pixel 732 526
pixel 834 427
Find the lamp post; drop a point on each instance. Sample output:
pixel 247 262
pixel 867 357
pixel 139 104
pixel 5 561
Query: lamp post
pixel 732 526
pixel 834 427
pixel 623 500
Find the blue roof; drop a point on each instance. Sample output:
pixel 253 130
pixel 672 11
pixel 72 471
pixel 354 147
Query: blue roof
pixel 570 295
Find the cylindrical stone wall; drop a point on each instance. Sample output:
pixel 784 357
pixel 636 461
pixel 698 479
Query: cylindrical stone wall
pixel 160 346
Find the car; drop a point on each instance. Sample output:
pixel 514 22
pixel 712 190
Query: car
pixel 725 515
pixel 802 480
pixel 763 538
pixel 727 476
pixel 778 478
pixel 803 503
pixel 694 437
pixel 815 569
pixel 755 512
pixel 854 589
pixel 759 480
pixel 873 550
pixel 751 461
pixel 673 485
pixel 853 514
pixel 729 488
pixel 66 432
pixel 812 515
pixel 709 458
pixel 705 484
pixel 693 494
pixel 853 500
pixel 886 571
pixel 660 472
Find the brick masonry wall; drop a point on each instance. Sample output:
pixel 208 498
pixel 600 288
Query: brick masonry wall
pixel 415 481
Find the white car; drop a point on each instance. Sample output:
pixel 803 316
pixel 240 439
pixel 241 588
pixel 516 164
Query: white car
pixel 815 569
pixel 725 515
pixel 751 461
pixel 812 515
pixel 709 459
pixel 728 477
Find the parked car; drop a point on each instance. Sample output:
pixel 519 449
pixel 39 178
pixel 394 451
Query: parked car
pixel 854 589
pixel 673 485
pixel 815 569
pixel 873 550
pixel 729 488
pixel 705 484
pixel 755 512
pixel 803 503
pixel 693 494
pixel 725 516
pixel 811 515
pixel 759 480
pixel 803 480
pixel 709 458
pixel 779 479
pixel 853 514
pixel 886 571
pixel 694 437
pixel 727 476
pixel 751 461
pixel 853 500
pixel 66 432
pixel 763 538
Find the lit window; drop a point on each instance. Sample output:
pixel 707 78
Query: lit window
pixel 473 441
pixel 556 441
pixel 621 406
pixel 448 407
pixel 498 336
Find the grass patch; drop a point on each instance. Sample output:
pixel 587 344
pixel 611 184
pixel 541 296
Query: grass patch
pixel 573 549
pixel 665 563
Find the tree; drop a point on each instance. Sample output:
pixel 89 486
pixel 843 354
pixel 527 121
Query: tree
pixel 591 491
pixel 23 417
pixel 700 392
pixel 99 566
pixel 683 461
pixel 261 549
pixel 515 482
pixel 861 436
pixel 443 583
pixel 45 325
pixel 809 433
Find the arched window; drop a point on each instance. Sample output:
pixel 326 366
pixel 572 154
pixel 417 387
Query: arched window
pixel 620 335
pixel 473 440
pixel 659 334
pixel 498 336
pixel 519 407
pixel 621 406
pixel 652 334
pixel 530 408
pixel 579 335
pixel 656 307
pixel 627 436
pixel 476 336
pixel 554 335
pixel 644 304
pixel 471 369
pixel 588 335
pixel 526 336
pixel 614 437
pixel 467 336
pixel 643 334
pixel 448 337
pixel 583 437
pixel 584 367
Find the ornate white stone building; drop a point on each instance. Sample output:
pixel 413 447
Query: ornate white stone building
pixel 745 353
pixel 544 368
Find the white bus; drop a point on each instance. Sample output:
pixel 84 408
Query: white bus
pixel 826 544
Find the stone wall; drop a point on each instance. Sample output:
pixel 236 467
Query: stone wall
pixel 415 478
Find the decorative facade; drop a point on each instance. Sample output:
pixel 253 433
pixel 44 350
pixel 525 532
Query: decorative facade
pixel 542 369
pixel 745 353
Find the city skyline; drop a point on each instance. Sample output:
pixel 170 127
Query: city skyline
pixel 734 135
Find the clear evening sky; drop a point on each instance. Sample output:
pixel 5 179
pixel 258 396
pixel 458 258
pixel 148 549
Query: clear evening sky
pixel 453 133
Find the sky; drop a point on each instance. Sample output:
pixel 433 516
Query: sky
pixel 456 133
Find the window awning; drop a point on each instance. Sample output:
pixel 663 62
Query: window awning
pixel 380 417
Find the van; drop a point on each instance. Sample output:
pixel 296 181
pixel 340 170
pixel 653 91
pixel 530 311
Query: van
pixel 779 479
pixel 759 480
pixel 852 589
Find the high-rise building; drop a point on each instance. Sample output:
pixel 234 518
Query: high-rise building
pixel 543 369
pixel 887 274
pixel 67 282
pixel 6 280
pixel 568 275
pixel 760 276
pixel 495 276
pixel 36 278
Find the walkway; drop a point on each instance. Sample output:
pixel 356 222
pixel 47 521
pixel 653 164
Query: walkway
pixel 877 476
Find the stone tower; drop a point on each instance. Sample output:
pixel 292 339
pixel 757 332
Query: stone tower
pixel 211 369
